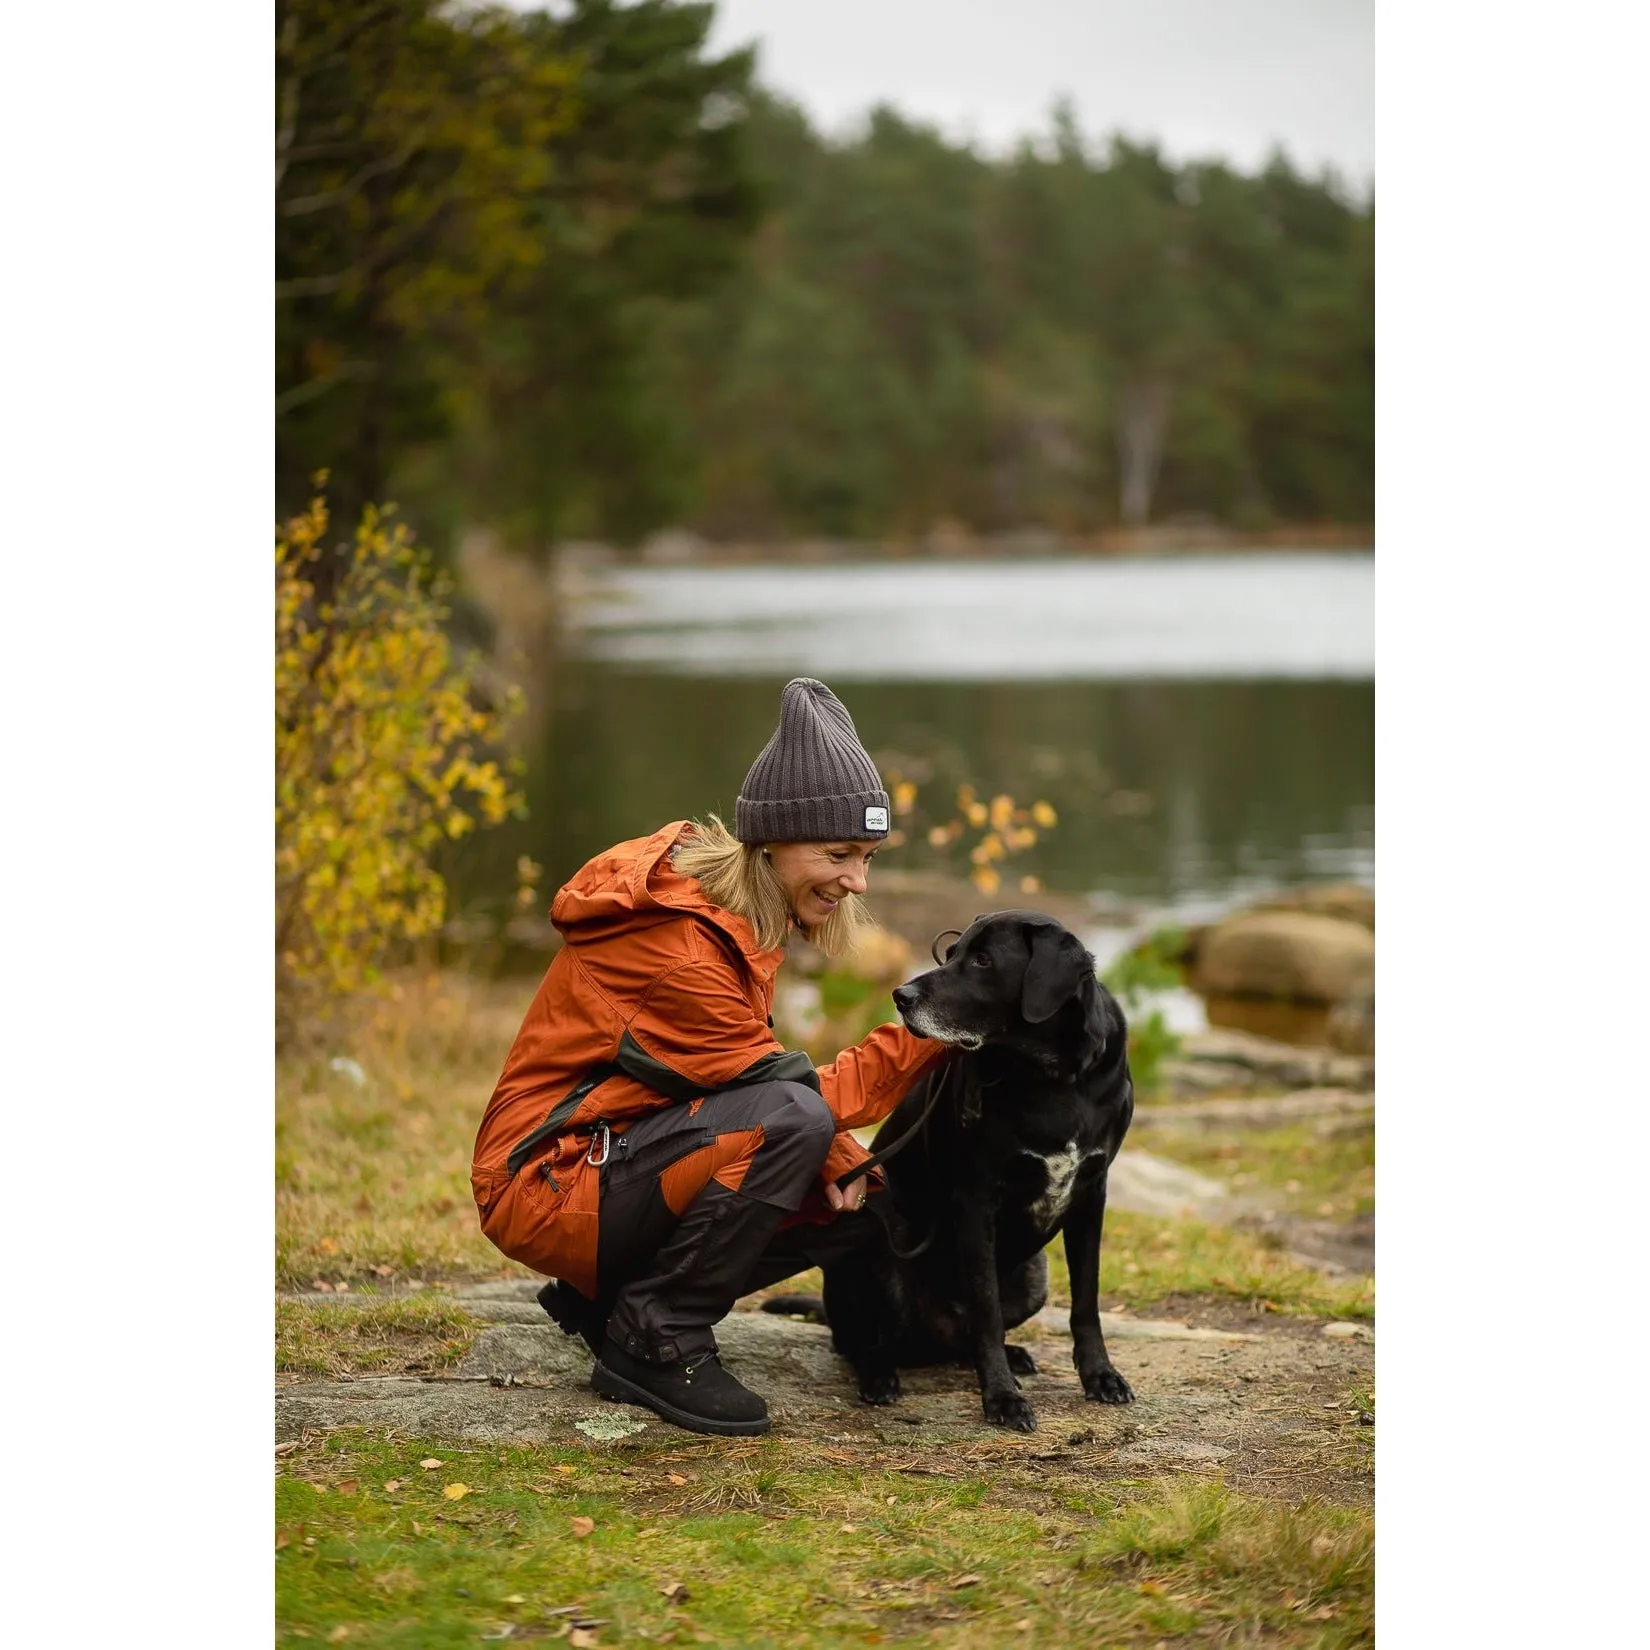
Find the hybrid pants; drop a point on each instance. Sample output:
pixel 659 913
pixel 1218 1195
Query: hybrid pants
pixel 691 1201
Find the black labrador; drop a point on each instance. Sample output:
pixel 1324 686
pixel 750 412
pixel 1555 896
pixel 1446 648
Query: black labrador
pixel 1030 1113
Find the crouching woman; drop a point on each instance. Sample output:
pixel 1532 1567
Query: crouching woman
pixel 650 1146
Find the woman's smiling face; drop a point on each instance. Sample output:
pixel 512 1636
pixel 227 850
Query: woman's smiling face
pixel 818 876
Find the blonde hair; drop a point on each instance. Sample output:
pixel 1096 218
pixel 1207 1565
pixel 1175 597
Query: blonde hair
pixel 739 877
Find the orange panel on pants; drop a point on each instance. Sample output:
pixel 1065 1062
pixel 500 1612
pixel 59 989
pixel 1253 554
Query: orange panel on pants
pixel 724 1160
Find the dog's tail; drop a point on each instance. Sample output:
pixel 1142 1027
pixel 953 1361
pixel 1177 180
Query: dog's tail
pixel 811 1307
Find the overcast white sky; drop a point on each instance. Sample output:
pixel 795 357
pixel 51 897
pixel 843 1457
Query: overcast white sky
pixel 1205 77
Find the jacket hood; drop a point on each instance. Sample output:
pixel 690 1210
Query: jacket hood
pixel 633 886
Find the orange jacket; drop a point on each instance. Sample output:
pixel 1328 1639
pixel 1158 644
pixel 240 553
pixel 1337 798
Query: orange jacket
pixel 657 997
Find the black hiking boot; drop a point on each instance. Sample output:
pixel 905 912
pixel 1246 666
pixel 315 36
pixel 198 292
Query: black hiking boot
pixel 695 1392
pixel 576 1314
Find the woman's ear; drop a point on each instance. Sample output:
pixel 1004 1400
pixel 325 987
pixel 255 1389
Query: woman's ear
pixel 1059 965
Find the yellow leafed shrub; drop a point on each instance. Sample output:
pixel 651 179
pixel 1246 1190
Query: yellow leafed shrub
pixel 382 750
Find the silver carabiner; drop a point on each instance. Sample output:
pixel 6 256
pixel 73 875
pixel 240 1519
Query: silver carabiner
pixel 600 1134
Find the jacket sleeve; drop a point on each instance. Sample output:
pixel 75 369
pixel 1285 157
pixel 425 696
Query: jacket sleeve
pixel 864 1083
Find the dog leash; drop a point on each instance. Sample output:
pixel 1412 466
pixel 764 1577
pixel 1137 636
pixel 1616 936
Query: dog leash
pixel 892 1150
pixel 920 1127
pixel 845 1180
pixel 886 1214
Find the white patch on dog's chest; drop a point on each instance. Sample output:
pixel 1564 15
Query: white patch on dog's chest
pixel 1061 1168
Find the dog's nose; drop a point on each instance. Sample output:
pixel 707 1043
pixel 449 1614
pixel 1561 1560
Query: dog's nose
pixel 904 997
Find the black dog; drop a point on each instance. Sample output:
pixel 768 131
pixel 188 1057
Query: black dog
pixel 1015 1149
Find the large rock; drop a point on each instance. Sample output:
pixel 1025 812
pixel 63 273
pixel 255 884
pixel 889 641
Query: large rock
pixel 1352 1023
pixel 1350 901
pixel 1297 955
pixel 1220 1061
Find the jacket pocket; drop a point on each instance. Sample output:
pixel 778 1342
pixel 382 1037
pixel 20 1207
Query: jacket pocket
pixel 655 1155
pixel 545 1216
pixel 485 1185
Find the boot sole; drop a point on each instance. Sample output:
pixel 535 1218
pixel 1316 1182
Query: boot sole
pixel 617 1388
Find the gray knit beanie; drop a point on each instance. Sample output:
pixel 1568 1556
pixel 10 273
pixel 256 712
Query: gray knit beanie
pixel 813 781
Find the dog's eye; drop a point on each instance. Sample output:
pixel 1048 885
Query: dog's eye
pixel 979 960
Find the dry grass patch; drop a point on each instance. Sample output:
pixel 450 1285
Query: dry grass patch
pixel 372 1156
pixel 410 1335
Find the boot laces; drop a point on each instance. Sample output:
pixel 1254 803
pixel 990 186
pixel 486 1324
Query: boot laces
pixel 692 1366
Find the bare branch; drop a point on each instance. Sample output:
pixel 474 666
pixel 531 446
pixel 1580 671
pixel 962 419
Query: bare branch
pixel 288 128
pixel 313 286
pixel 313 388
pixel 408 152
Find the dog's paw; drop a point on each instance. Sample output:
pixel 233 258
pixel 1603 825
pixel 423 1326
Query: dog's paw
pixel 881 1388
pixel 1009 1409
pixel 1020 1362
pixel 1106 1386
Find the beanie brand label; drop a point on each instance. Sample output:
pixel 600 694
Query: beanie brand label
pixel 876 819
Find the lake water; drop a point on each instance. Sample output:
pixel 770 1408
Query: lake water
pixel 1204 726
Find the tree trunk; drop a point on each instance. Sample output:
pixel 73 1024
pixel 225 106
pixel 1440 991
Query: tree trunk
pixel 1142 423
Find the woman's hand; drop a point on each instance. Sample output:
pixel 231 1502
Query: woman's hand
pixel 851 1200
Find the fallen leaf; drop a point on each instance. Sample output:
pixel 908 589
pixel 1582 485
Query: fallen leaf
pixel 582 1639
pixel 328 1246
pixel 1153 1589
pixel 394 1484
pixel 1323 1612
pixel 514 1598
pixel 286 1448
pixel 890 1501
pixel 675 1477
pixel 456 1492
pixel 1023 1625
pixel 338 1634
pixel 418 1529
pixel 429 1463
pixel 583 1527
pixel 675 1593
pixel 283 1537
pixel 1321 1544
pixel 967 1581
pixel 384 1271
pixel 560 1468
pixel 849 1529
pixel 348 1486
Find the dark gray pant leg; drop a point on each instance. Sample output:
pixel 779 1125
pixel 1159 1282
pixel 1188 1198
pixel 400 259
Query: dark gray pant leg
pixel 671 1280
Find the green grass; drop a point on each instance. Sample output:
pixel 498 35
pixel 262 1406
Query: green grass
pixel 778 1545
pixel 1329 1174
pixel 407 1335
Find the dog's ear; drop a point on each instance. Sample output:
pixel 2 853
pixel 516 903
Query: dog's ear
pixel 1058 967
